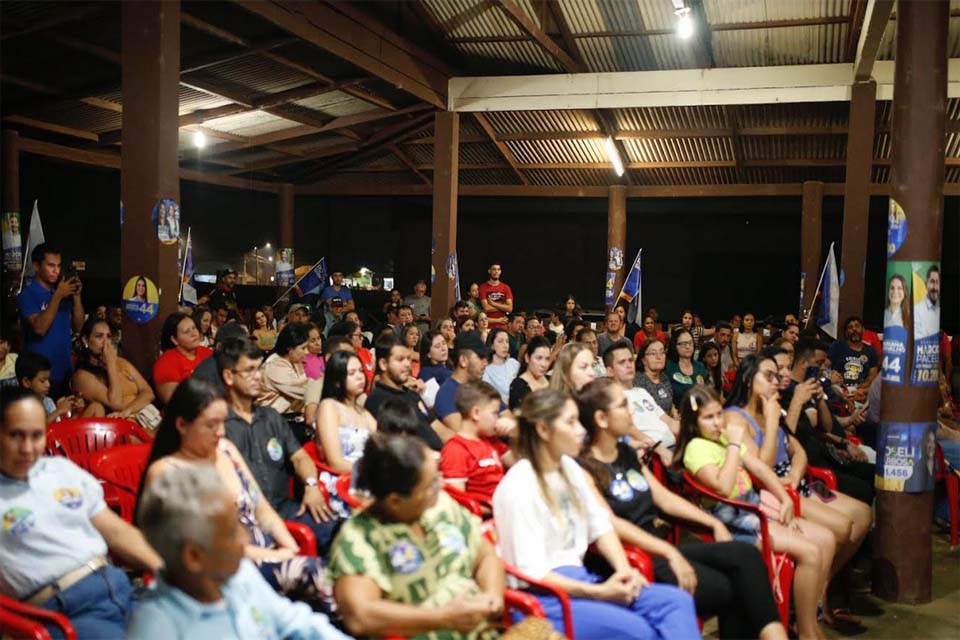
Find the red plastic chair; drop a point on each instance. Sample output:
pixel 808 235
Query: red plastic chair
pixel 779 565
pixel 19 620
pixel 469 501
pixel 948 476
pixel 310 448
pixel 80 438
pixel 121 468
pixel 303 536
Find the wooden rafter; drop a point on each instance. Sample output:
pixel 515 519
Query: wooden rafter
pixel 271 163
pixel 525 22
pixel 362 42
pixel 50 91
pixel 501 147
pixel 730 114
pixel 566 34
pixel 875 22
pixel 53 127
pixel 405 159
pixel 60 17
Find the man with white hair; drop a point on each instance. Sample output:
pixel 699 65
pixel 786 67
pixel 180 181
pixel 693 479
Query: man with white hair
pixel 207 589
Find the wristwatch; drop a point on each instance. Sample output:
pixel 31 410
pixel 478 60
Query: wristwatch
pixel 310 482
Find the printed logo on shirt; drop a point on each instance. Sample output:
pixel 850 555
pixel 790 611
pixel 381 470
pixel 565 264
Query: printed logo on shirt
pixel 621 489
pixel 852 370
pixel 69 497
pixel 647 405
pixel 662 393
pixel 450 538
pixel 637 481
pixel 405 558
pixel 492 461
pixel 17 521
pixel 274 449
pixel 263 624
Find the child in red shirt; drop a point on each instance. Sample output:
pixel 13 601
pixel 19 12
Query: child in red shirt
pixel 470 461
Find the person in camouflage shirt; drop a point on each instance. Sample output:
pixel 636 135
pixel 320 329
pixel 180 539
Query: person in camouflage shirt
pixel 413 563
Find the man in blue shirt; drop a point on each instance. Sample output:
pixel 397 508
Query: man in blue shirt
pixel 855 360
pixel 50 311
pixel 207 589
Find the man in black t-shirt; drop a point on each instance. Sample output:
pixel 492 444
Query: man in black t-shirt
pixel 855 360
pixel 393 364
pixel 268 445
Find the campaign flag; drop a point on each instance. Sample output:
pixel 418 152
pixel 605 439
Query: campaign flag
pixel 188 292
pixel 828 311
pixel 34 238
pixel 313 281
pixel 631 291
pixel 453 273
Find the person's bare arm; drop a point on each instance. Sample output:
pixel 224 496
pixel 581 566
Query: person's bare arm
pixel 165 391
pixel 126 541
pixel 488 571
pixel 442 430
pixel 452 422
pixel 89 387
pixel 145 394
pixel 76 317
pixel 328 426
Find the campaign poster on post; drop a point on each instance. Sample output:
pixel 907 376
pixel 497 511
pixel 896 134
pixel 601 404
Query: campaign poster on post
pixel 608 292
pixel 896 227
pixel 897 309
pixel 285 273
pixel 166 215
pixel 141 302
pixel 906 456
pixel 12 243
pixel 926 324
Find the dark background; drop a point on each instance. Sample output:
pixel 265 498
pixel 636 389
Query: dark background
pixel 718 255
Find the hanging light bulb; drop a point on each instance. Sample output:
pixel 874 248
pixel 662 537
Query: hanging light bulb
pixel 685 26
pixel 199 140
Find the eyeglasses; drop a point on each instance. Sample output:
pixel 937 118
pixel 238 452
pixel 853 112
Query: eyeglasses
pixel 685 343
pixel 656 354
pixel 249 372
pixel 771 376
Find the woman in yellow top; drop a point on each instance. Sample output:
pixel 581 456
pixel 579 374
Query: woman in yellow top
pixel 711 449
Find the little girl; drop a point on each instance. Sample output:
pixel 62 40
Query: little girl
pixel 713 452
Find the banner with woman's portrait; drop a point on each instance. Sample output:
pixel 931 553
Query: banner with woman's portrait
pixel 897 310
pixel 141 301
pixel 906 456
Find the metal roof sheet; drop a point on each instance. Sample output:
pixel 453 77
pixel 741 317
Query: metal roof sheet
pixel 488 176
pixel 250 123
pixel 549 151
pixel 790 147
pixel 660 118
pixel 572 177
pixel 258 74
pixel 679 150
pixel 335 104
pixel 522 121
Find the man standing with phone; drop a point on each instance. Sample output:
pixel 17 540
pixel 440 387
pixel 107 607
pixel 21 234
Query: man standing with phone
pixel 51 311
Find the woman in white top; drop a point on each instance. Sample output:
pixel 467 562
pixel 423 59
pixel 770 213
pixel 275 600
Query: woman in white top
pixel 502 368
pixel 547 515
pixel 746 340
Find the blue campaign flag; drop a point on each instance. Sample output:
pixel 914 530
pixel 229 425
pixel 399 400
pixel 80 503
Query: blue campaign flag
pixel 828 311
pixel 188 291
pixel 313 281
pixel 632 289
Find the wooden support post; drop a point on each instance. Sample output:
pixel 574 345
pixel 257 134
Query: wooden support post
pixel 617 260
pixel 811 231
pixel 446 162
pixel 11 203
pixel 286 212
pixel 148 163
pixel 902 568
pixel 856 202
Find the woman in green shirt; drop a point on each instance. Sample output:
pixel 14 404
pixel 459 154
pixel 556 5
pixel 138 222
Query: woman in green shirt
pixel 682 370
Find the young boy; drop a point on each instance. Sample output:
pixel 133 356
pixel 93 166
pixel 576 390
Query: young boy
pixel 470 461
pixel 33 373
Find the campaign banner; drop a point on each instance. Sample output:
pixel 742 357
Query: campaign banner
pixel 285 272
pixel 608 292
pixel 906 456
pixel 12 242
pixel 141 301
pixel 896 227
pixel 896 318
pixel 926 324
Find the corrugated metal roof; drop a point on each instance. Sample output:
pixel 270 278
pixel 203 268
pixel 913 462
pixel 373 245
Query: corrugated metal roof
pixel 679 150
pixel 479 153
pixel 888 45
pixel 820 44
pixel 250 123
pixel 731 11
pixel 528 53
pixel 790 147
pixel 547 151
pixel 488 176
pixel 521 121
pixel 335 103
pixel 386 162
pixel 82 116
pixel 661 118
pixel 258 74
pixel 807 114
pixel 572 177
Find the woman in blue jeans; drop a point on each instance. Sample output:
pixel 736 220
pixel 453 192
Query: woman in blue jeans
pixel 546 517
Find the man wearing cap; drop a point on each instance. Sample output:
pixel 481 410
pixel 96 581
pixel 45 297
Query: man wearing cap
pixel 297 313
pixel 470 356
pixel 224 296
pixel 337 294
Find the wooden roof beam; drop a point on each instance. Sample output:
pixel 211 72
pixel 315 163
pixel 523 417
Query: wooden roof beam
pixel 526 23
pixel 361 42
pixel 405 159
pixel 501 147
pixel 875 22
pixel 61 16
pixel 270 163
pixel 53 127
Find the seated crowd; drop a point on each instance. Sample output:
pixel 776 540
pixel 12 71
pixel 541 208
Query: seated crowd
pixel 570 441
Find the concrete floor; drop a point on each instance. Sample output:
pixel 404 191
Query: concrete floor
pixel 937 620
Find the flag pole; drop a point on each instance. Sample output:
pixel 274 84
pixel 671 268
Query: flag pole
pixel 26 254
pixel 183 266
pixel 629 271
pixel 813 300
pixel 294 285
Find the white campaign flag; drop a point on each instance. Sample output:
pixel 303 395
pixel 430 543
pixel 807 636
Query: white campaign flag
pixel 34 238
pixel 829 310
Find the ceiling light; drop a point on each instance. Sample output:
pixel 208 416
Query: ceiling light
pixel 685 26
pixel 199 140
pixel 614 156
pixel 267 245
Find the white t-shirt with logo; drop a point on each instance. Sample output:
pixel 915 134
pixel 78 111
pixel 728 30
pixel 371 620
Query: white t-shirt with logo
pixel 647 416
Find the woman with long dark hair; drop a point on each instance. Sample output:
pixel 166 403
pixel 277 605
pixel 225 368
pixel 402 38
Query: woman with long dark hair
pixel 533 371
pixel 547 515
pixel 182 352
pixel 710 358
pixel 284 377
pixel 682 370
pixel 192 432
pixel 502 369
pixel 434 358
pixel 726 578
pixel 754 405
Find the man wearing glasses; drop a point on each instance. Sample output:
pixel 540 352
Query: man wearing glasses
pixel 268 444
